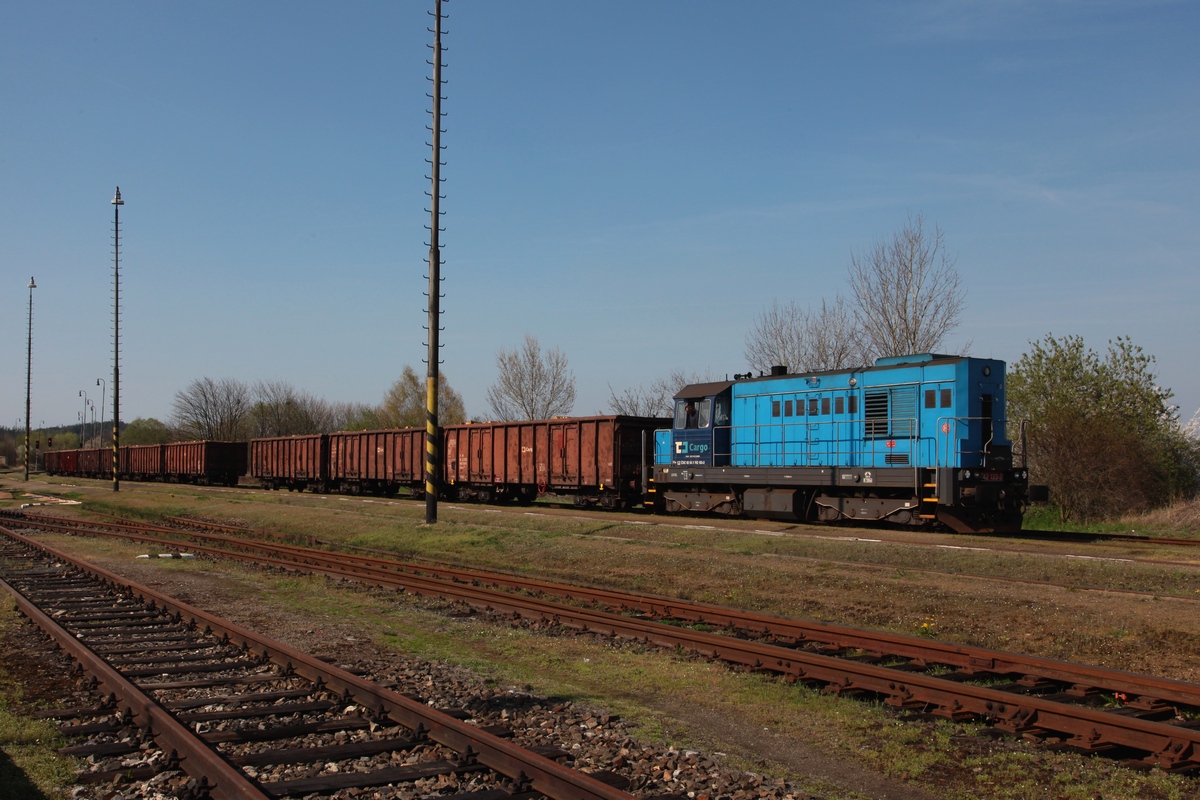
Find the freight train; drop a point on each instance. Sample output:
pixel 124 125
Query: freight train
pixel 209 463
pixel 915 440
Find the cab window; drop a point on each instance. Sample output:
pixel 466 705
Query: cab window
pixel 693 413
pixel 721 412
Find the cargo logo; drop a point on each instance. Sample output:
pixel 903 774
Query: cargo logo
pixel 683 448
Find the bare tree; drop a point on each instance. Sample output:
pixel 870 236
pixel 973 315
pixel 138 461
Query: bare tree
pixel 804 339
pixel 404 404
pixel 353 416
pixel 283 410
pixel 655 400
pixel 211 409
pixel 638 401
pixel 907 292
pixel 531 384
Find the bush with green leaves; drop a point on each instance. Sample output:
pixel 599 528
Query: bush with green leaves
pixel 1102 433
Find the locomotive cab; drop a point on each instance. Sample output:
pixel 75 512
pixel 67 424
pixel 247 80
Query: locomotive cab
pixel 700 428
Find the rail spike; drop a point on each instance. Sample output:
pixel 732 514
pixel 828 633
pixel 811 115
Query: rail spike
pixel 468 758
pixel 1175 756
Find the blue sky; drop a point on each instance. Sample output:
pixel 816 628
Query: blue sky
pixel 631 182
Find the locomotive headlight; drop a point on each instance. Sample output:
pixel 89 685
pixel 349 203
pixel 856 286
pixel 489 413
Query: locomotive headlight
pixel 966 474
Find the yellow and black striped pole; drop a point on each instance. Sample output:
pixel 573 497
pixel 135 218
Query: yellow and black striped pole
pixel 117 202
pixel 29 375
pixel 435 280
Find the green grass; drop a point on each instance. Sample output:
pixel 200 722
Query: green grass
pixel 30 767
pixel 1047 518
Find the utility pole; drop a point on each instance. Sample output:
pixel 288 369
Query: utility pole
pixel 117 202
pixel 103 388
pixel 83 428
pixel 435 280
pixel 28 373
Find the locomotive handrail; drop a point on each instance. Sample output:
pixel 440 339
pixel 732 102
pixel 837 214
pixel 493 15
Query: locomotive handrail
pixel 952 435
pixel 869 455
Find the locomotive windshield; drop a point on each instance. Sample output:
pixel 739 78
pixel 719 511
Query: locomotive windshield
pixel 695 413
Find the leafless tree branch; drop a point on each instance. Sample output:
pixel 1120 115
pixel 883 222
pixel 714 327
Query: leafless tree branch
pixel 804 339
pixel 212 409
pixel 531 384
pixel 907 292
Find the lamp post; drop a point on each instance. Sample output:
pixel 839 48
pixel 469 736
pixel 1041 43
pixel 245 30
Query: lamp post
pixel 82 428
pixel 103 386
pixel 117 202
pixel 28 373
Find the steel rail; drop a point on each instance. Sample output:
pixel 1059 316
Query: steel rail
pixel 312 541
pixel 965 658
pixel 1169 746
pixel 224 781
pixel 1082 537
pixel 521 766
pixel 1102 538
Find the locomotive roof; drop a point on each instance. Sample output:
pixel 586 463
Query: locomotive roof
pixel 888 362
pixel 891 362
pixel 703 389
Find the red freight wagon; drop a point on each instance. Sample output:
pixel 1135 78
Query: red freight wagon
pixel 142 462
pixel 61 462
pixel 604 460
pixel 96 462
pixel 204 462
pixel 377 462
pixel 295 462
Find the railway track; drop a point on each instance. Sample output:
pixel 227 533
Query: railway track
pixel 831 531
pixel 1103 538
pixel 225 707
pixel 1143 719
pixel 312 541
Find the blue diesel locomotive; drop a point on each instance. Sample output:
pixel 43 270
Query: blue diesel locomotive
pixel 916 439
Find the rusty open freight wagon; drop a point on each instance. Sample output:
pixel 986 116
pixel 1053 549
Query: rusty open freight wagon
pixel 95 462
pixel 295 463
pixel 141 462
pixel 604 460
pixel 61 462
pixel 204 462
pixel 377 462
